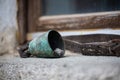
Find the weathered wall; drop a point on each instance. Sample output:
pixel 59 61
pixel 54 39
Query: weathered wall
pixel 8 26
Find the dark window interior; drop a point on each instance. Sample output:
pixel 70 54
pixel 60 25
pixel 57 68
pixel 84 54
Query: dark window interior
pixel 58 7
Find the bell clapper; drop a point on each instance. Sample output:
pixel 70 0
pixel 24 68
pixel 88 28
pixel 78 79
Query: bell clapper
pixel 59 52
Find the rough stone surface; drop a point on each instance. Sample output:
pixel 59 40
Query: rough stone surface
pixel 8 26
pixel 75 67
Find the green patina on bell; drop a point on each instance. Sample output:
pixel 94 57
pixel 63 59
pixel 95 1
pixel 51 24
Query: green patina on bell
pixel 45 45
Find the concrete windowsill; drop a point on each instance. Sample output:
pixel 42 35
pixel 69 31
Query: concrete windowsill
pixel 75 67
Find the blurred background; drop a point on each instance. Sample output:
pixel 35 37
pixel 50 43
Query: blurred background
pixel 23 20
pixel 54 7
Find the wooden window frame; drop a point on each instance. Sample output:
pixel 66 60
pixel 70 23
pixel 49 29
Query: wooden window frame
pixel 69 22
pixel 33 21
pixel 81 21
